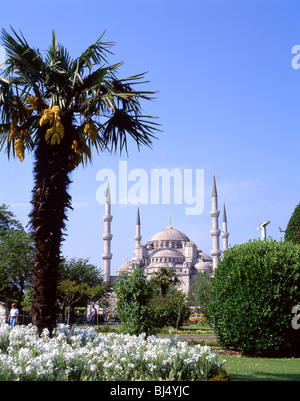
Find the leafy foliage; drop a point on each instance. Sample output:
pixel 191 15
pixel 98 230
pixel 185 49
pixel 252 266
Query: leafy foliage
pixel 142 312
pixel 292 232
pixel 49 92
pixel 79 283
pixel 164 277
pixel 71 292
pixel 133 293
pixel 8 220
pixel 253 292
pixel 169 311
pixel 80 270
pixel 16 255
pixel 199 291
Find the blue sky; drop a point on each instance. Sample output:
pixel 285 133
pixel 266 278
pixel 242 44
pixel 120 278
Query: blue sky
pixel 228 99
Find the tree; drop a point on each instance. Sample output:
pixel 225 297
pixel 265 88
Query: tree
pixel 199 291
pixel 164 277
pixel 8 220
pixel 96 293
pixel 133 293
pixel 80 270
pixel 16 254
pixel 71 292
pixel 79 282
pixel 63 108
pixel 292 232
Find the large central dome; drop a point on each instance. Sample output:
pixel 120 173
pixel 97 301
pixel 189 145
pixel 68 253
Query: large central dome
pixel 170 234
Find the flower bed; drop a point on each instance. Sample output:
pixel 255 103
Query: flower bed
pixel 84 354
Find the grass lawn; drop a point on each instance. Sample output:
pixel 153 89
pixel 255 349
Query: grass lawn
pixel 250 369
pixel 255 369
pixel 202 329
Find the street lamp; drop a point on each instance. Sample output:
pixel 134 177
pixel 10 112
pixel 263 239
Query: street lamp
pixel 262 227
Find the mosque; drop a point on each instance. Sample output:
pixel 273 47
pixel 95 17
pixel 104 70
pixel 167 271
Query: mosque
pixel 168 248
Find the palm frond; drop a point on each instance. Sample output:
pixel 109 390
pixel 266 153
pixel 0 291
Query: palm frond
pixel 113 104
pixel 96 78
pixel 21 58
pixel 58 57
pixel 93 55
pixel 116 129
pixel 4 134
pixel 11 107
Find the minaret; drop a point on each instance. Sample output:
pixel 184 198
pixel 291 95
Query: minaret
pixel 225 233
pixel 107 237
pixel 138 236
pixel 215 232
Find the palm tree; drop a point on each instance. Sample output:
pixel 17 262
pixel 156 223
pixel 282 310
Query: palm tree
pixel 165 277
pixel 61 109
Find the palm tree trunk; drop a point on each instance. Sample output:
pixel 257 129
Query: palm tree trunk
pixel 163 290
pixel 50 201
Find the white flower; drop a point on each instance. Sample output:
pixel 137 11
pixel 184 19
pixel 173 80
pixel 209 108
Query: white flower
pixel 110 357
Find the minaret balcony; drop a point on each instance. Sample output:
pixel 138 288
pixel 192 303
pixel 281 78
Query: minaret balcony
pixel 215 233
pixel 215 252
pixel 107 255
pixel 107 237
pixel 215 213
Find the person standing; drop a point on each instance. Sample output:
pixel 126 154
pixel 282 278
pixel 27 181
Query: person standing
pixel 3 314
pixel 93 315
pixel 71 317
pixel 13 315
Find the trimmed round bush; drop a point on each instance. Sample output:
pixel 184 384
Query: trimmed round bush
pixel 167 311
pixel 253 292
pixel 292 231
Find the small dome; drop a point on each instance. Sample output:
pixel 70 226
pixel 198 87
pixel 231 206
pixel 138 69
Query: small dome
pixel 166 258
pixel 163 264
pixel 204 267
pixel 125 267
pixel 166 253
pixel 205 257
pixel 170 234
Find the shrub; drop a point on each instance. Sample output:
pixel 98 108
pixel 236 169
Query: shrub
pixel 199 291
pixel 253 292
pixel 292 232
pixel 140 312
pixel 133 293
pixel 167 311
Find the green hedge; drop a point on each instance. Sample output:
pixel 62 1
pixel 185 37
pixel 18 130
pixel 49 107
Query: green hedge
pixel 253 292
pixel 292 231
pixel 167 311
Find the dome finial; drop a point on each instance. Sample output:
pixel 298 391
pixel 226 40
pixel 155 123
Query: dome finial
pixel 169 226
